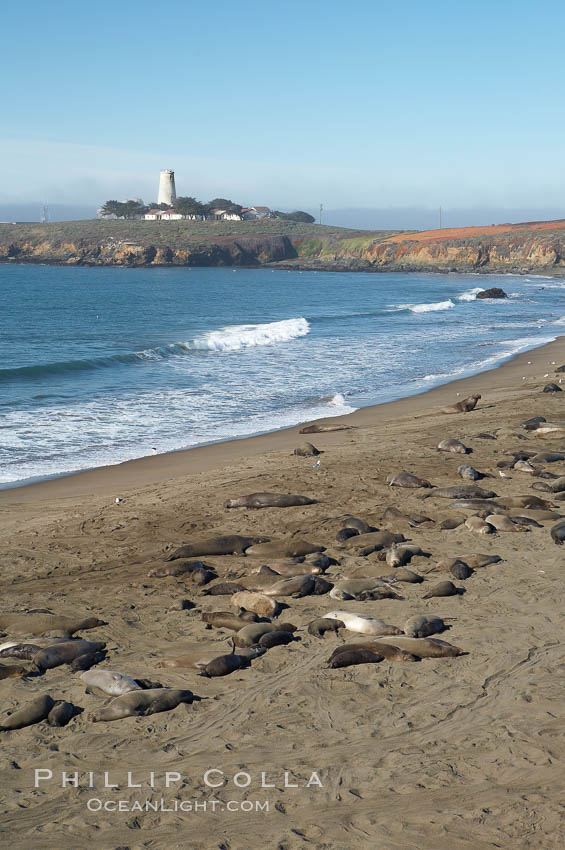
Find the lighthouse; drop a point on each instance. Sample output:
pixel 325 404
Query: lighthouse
pixel 167 192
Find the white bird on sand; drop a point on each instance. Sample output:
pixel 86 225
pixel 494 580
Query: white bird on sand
pixel 316 465
pixel 503 474
pixel 529 362
pixel 154 450
pixel 546 375
pixel 118 500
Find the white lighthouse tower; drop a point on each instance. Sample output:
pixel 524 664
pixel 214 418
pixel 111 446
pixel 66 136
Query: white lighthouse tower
pixel 167 192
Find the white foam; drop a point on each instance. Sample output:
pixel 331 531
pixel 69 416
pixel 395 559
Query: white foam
pixel 428 308
pixel 470 294
pixel 236 337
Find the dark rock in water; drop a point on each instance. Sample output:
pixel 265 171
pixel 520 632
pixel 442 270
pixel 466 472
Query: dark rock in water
pixel 552 388
pixel 494 292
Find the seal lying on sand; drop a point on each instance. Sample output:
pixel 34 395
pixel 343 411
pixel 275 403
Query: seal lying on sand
pixel 425 647
pixel 227 620
pixel 110 683
pixel 199 658
pixel 363 623
pixel 64 652
pixel 231 544
pixel 421 626
pixel 10 671
pixel 464 406
pixel 306 450
pixel 319 627
pixel 39 624
pixel 322 429
pixel 388 651
pixel 34 712
pixel 357 525
pixel 406 479
pixel 223 665
pixel 355 588
pixel 142 703
pixel 269 500
pixel 291 548
pixel 249 635
pixel 259 603
pixel 176 569
pixel 462 491
pixel 455 446
pixel 350 657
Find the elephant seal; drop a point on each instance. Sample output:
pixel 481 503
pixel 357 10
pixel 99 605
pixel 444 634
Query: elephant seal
pixel 23 651
pixel 388 651
pixel 350 657
pixel 403 574
pixel 272 639
pixel 528 501
pixel 307 450
pixel 532 423
pixel 11 671
pixel 478 505
pixel 291 569
pixel 524 466
pixel 142 703
pixel 250 635
pixel 406 479
pixel 451 522
pixel 290 548
pixel 460 570
pixel 454 446
pixel 358 525
pixel 505 523
pixel 345 533
pixel 39 624
pixel 552 388
pixel 547 457
pixel 231 544
pixel 87 660
pixel 424 647
pixel 352 588
pixel 176 569
pixel 295 586
pixel 34 712
pixel 227 620
pixel 223 665
pixel 269 500
pixel 374 541
pixel 421 626
pixel 199 658
pixel 363 624
pixel 463 491
pixel 64 652
pixel 61 713
pixel 478 525
pixel 398 556
pixel 464 406
pixel 444 588
pixel 469 473
pixel 110 683
pixel 558 532
pixel 392 516
pixel 319 627
pixel 322 429
pixel 259 603
pixel 223 588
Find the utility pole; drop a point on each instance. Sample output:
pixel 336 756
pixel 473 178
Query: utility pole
pixel 321 211
pixel 44 213
pixel 440 218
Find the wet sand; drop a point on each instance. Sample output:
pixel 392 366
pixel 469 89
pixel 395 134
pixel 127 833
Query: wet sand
pixel 444 753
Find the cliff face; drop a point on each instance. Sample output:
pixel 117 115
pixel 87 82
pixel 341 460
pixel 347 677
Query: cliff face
pixel 531 247
pixel 223 251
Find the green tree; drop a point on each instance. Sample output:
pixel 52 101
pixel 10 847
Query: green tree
pixel 189 206
pixel 297 215
pixel 224 204
pixel 123 209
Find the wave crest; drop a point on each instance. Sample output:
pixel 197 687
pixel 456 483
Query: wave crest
pixel 470 294
pixel 236 337
pixel 428 308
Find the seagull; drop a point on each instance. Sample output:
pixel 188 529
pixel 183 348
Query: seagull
pixel 316 465
pixel 118 500
pixel 529 362
pixel 154 450
pixel 503 474
pixel 546 375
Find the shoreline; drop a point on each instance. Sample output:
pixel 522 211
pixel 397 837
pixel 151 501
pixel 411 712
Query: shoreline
pixel 156 469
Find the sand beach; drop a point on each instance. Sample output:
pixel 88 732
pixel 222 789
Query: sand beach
pixel 444 753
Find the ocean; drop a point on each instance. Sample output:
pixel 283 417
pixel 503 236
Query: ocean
pixel 102 365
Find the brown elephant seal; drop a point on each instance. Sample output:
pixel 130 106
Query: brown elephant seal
pixel 454 446
pixel 40 624
pixel 547 457
pixel 478 525
pixel 345 533
pixel 350 657
pixel 259 603
pixel 319 627
pixel 141 703
pixel 424 647
pixel 464 406
pixel 532 423
pixel 306 450
pixel 272 639
pixel 291 569
pixel 505 523
pixel 227 620
pixel 444 588
pixel 421 626
pixel 451 522
pixel 388 651
pixel 23 651
pixel 11 671
pixel 290 548
pixel 61 713
pixel 399 556
pixel 478 505
pixel 406 479
pixel 358 525
pixel 231 544
pixel 378 593
pixel 295 586
pixel 223 588
pixel 87 660
pixel 198 658
pixel 463 492
pixel 552 388
pixel 527 501
pixel 558 532
pixel 375 540
pixel 353 588
pixel 403 574
pixel 460 570
pixel 392 516
pixel 34 712
pixel 269 500
pixel 177 569
pixel 325 428
pixel 223 665
pixel 363 623
pixel 250 635
pixel 64 652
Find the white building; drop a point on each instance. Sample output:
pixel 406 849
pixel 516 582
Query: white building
pixel 254 213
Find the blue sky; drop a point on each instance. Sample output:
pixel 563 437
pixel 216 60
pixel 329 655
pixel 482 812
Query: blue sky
pixel 359 104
